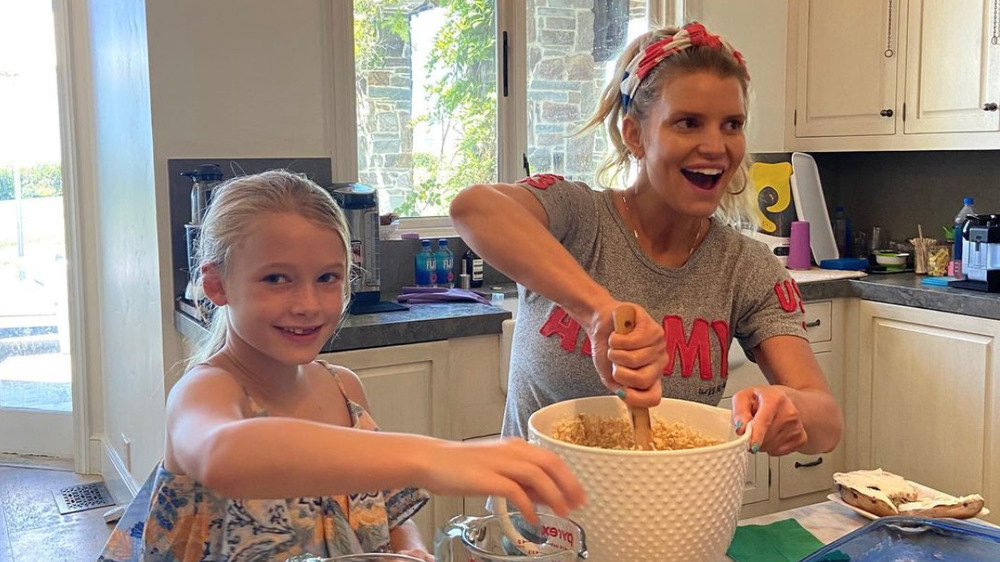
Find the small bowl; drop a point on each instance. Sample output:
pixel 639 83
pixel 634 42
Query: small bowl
pixel 891 259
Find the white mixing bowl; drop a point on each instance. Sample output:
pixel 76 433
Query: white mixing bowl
pixel 654 506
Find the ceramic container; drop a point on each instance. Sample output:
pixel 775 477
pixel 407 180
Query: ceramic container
pixel 654 506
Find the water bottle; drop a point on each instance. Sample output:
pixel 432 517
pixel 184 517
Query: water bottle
pixel 444 265
pixel 424 266
pixel 842 231
pixel 955 267
pixel 472 265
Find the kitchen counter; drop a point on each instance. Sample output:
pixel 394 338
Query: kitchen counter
pixel 433 322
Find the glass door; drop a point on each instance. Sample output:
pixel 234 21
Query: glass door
pixel 35 373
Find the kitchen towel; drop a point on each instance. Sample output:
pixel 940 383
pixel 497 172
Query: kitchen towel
pixel 419 295
pixel 781 541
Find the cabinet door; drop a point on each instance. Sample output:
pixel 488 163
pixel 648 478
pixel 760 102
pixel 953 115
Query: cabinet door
pixel 846 67
pixel 952 66
pixel 799 473
pixel 930 381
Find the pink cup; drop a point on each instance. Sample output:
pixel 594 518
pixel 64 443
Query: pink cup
pixel 798 246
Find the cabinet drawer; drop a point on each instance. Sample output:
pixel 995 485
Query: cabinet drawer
pixel 819 317
pixel 800 474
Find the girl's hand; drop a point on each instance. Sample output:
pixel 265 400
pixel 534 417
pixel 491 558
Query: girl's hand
pixel 630 363
pixel 777 425
pixel 512 468
pixel 418 553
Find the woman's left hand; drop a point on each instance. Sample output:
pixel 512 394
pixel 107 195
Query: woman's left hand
pixel 777 426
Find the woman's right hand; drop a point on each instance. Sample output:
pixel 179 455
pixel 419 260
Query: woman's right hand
pixel 512 468
pixel 629 363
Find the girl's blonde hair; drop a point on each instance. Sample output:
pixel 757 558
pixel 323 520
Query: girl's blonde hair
pixel 738 205
pixel 235 204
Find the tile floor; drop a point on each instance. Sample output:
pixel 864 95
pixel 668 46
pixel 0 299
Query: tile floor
pixel 31 528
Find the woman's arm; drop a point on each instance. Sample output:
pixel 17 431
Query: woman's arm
pixel 273 458
pixel 508 227
pixel 796 412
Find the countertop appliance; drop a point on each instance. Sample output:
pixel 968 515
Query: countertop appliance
pixel 360 205
pixel 980 254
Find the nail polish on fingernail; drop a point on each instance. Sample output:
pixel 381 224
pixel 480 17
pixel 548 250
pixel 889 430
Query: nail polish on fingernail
pixel 756 448
pixel 621 393
pixel 739 424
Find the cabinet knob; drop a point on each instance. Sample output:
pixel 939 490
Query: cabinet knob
pixel 885 113
pixel 992 106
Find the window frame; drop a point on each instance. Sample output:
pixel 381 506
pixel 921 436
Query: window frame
pixel 512 109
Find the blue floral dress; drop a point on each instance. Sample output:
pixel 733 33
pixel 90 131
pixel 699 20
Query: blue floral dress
pixel 188 522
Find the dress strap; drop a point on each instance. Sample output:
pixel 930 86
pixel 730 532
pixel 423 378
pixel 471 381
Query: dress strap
pixel 333 372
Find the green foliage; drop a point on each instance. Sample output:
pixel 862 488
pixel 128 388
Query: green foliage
pixel 461 77
pixel 461 83
pixel 40 180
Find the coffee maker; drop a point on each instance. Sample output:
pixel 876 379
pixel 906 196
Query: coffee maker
pixel 360 205
pixel 980 254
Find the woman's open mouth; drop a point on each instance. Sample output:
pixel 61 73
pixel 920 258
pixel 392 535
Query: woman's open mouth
pixel 703 178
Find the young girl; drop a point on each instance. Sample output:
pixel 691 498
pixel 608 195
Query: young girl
pixel 270 453
pixel 675 112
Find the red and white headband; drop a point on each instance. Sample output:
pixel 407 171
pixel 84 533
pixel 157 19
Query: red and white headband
pixel 693 34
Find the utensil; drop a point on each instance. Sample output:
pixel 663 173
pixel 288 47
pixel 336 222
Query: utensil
pixel 624 319
pixel 530 542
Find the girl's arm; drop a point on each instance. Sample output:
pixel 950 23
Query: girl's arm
pixel 508 227
pixel 796 412
pixel 272 457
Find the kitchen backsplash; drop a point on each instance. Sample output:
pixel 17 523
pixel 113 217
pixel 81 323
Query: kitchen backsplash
pixel 898 190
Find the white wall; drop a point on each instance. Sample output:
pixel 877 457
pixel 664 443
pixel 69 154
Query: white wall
pixel 759 30
pixel 119 259
pixel 233 79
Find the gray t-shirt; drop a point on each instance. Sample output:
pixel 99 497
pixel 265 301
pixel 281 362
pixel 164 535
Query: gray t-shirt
pixel 731 286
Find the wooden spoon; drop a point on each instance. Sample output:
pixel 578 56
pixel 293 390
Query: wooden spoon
pixel 624 318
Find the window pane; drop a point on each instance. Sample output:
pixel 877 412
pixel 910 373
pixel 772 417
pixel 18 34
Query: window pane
pixel 34 322
pixel 426 90
pixel 572 51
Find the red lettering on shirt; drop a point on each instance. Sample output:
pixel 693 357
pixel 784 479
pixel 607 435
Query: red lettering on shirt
pixel 789 296
pixel 694 348
pixel 721 330
pixel 541 181
pixel 561 325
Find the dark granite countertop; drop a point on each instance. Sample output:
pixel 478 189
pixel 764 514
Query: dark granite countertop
pixel 421 323
pixel 433 322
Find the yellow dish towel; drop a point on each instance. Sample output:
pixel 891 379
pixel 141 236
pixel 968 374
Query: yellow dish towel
pixel 780 541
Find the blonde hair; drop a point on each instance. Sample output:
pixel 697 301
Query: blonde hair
pixel 234 204
pixel 738 205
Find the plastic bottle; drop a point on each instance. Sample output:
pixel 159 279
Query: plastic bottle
pixel 955 267
pixel 424 265
pixel 472 265
pixel 444 264
pixel 842 231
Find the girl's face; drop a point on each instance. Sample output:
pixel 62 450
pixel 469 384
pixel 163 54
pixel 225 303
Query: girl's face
pixel 691 142
pixel 284 284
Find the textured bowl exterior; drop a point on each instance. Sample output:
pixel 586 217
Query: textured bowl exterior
pixel 654 506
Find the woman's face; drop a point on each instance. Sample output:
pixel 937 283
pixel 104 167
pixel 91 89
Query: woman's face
pixel 691 142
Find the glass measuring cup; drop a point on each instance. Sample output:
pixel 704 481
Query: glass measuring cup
pixel 481 539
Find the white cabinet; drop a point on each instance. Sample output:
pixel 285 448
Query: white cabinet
pixel 778 483
pixel 952 66
pixel 448 389
pixel 846 57
pixel 893 74
pixel 928 398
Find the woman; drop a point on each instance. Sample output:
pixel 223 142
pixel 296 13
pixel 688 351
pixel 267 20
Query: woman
pixel 675 112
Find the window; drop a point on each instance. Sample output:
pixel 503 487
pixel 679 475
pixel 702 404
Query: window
pixel 438 109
